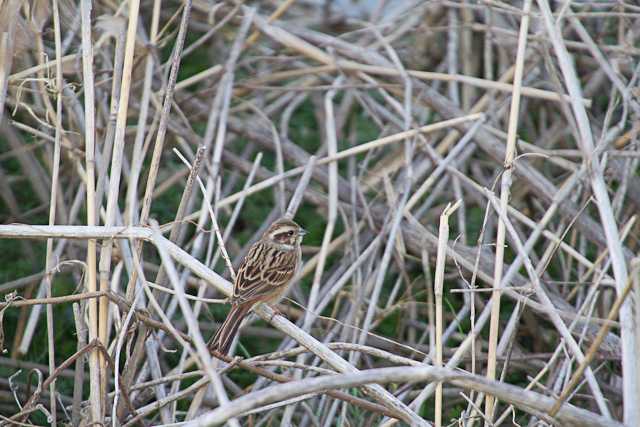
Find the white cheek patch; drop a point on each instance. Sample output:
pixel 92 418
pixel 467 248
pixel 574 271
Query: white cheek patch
pixel 286 247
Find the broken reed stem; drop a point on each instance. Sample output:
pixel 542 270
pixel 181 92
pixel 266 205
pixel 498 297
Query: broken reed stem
pixel 438 284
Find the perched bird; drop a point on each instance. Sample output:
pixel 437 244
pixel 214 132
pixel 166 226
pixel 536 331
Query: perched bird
pixel 264 276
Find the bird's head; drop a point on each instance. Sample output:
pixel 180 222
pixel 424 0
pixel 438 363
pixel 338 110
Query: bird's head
pixel 285 232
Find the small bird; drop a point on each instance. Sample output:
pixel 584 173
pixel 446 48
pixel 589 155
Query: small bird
pixel 264 276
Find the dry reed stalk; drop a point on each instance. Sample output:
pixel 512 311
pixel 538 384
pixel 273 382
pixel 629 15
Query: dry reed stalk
pixel 55 174
pixel 90 150
pixel 443 238
pixel 505 191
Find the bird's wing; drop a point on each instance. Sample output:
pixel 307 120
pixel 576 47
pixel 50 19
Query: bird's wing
pixel 263 272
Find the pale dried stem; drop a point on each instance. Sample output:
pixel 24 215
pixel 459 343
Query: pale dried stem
pixel 438 286
pixel 296 199
pixel 90 148
pixel 528 401
pixel 55 174
pixel 505 192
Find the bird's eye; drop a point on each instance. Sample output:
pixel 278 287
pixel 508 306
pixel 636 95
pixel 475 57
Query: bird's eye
pixel 290 232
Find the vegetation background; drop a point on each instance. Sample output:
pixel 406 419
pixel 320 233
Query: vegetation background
pixel 467 171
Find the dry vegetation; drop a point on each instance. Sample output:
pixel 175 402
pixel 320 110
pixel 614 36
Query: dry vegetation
pixel 468 172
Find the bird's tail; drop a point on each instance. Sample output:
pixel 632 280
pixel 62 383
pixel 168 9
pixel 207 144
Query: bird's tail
pixel 223 338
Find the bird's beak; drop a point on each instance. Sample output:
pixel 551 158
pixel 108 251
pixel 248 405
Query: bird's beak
pixel 302 232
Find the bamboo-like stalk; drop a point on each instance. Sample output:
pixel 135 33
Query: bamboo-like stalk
pixel 90 148
pixel 505 192
pixel 137 157
pixel 81 331
pixel 55 174
pixel 114 182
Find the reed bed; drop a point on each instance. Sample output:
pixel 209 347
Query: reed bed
pixel 467 171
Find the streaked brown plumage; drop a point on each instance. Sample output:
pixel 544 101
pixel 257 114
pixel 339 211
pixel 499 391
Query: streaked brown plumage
pixel 264 276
